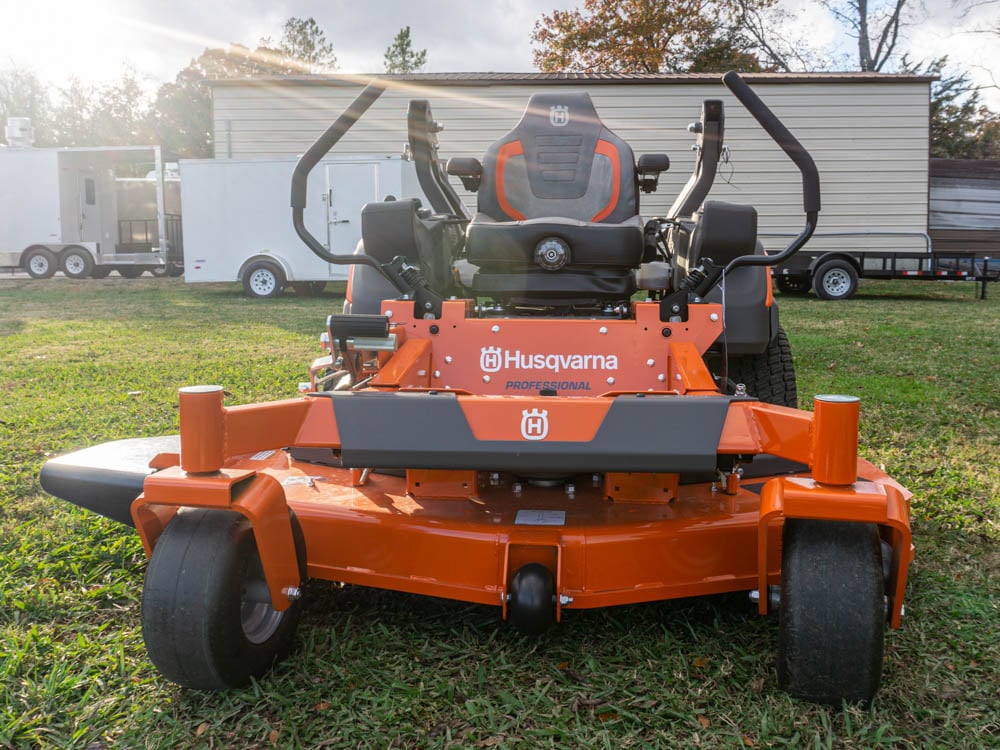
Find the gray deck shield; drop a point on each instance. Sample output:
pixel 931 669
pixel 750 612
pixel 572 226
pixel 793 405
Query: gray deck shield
pixel 428 430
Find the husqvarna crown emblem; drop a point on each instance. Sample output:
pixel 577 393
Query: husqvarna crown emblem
pixel 490 358
pixel 534 424
pixel 559 115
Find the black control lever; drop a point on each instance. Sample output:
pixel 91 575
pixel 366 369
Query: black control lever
pixel 312 157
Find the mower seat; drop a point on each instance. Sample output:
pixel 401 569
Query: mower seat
pixel 558 208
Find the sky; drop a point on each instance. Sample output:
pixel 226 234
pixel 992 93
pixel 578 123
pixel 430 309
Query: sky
pixel 92 40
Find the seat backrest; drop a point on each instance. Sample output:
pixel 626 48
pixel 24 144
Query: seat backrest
pixel 559 161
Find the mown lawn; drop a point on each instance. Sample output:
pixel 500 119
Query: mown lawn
pixel 86 362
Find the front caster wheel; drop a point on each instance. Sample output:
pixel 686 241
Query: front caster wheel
pixel 832 617
pixel 207 617
pixel 532 605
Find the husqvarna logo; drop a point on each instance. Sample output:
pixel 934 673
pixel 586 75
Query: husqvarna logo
pixel 559 115
pixel 534 424
pixel 490 359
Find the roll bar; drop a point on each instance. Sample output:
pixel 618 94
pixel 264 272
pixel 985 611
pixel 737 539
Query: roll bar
pixel 708 146
pixel 310 159
pixel 798 154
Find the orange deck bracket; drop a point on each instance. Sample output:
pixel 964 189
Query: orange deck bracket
pixel 258 497
pixel 881 503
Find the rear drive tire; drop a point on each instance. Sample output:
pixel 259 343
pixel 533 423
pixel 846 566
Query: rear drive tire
pixel 308 288
pixel 788 284
pixel 769 376
pixel 130 272
pixel 76 263
pixel 207 618
pixel 832 612
pixel 263 279
pixel 100 272
pixel 40 263
pixel 835 279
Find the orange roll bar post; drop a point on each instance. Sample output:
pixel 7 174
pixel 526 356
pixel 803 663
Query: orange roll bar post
pixel 203 429
pixel 835 439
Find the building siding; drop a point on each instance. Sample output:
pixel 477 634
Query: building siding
pixel 869 140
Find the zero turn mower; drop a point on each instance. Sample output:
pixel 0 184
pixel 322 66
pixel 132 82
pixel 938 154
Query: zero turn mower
pixel 499 421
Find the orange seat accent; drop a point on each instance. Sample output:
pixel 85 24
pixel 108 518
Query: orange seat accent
pixel 506 151
pixel 605 148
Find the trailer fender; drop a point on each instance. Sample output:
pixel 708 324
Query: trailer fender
pixel 267 256
pixel 836 255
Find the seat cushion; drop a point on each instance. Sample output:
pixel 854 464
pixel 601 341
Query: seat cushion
pixel 493 244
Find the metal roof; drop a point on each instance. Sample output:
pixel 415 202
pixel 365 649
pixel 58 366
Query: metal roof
pixel 496 79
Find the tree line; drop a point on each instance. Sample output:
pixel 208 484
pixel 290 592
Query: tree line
pixel 626 36
pixel 179 116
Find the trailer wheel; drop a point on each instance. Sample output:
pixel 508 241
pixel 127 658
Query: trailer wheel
pixel 788 284
pixel 207 618
pixel 39 262
pixel 131 272
pixel 263 279
pixel 832 612
pixel 769 376
pixel 835 279
pixel 76 263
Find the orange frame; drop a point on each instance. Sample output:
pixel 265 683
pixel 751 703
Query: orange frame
pixel 624 537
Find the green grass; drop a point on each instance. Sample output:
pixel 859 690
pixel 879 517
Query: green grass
pixel 86 362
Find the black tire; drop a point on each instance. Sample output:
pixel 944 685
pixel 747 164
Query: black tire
pixel 788 284
pixel 100 272
pixel 263 279
pixel 308 288
pixel 201 628
pixel 76 263
pixel 832 612
pixel 39 262
pixel 835 279
pixel 130 272
pixel 532 605
pixel 769 376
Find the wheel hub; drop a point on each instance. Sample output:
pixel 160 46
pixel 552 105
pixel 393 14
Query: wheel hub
pixel 263 282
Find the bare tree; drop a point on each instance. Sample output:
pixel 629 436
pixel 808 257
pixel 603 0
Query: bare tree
pixel 873 23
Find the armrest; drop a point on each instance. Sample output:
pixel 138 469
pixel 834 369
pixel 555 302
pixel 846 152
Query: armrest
pixel 649 169
pixel 468 170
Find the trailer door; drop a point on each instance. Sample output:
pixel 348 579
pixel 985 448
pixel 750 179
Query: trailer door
pixel 89 213
pixel 349 186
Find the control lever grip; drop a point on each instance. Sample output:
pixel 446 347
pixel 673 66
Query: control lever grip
pixel 780 135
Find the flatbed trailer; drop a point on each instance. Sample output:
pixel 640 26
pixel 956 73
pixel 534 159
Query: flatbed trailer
pixel 835 275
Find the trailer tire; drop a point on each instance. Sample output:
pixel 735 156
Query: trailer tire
pixel 263 279
pixel 39 262
pixel 76 263
pixel 201 629
pixel 835 279
pixel 770 375
pixel 100 272
pixel 789 284
pixel 832 612
pixel 130 272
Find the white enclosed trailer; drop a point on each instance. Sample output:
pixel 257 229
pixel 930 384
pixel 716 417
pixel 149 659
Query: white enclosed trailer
pixel 59 209
pixel 238 219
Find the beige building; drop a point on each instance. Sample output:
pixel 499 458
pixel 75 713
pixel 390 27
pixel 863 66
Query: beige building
pixel 868 134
